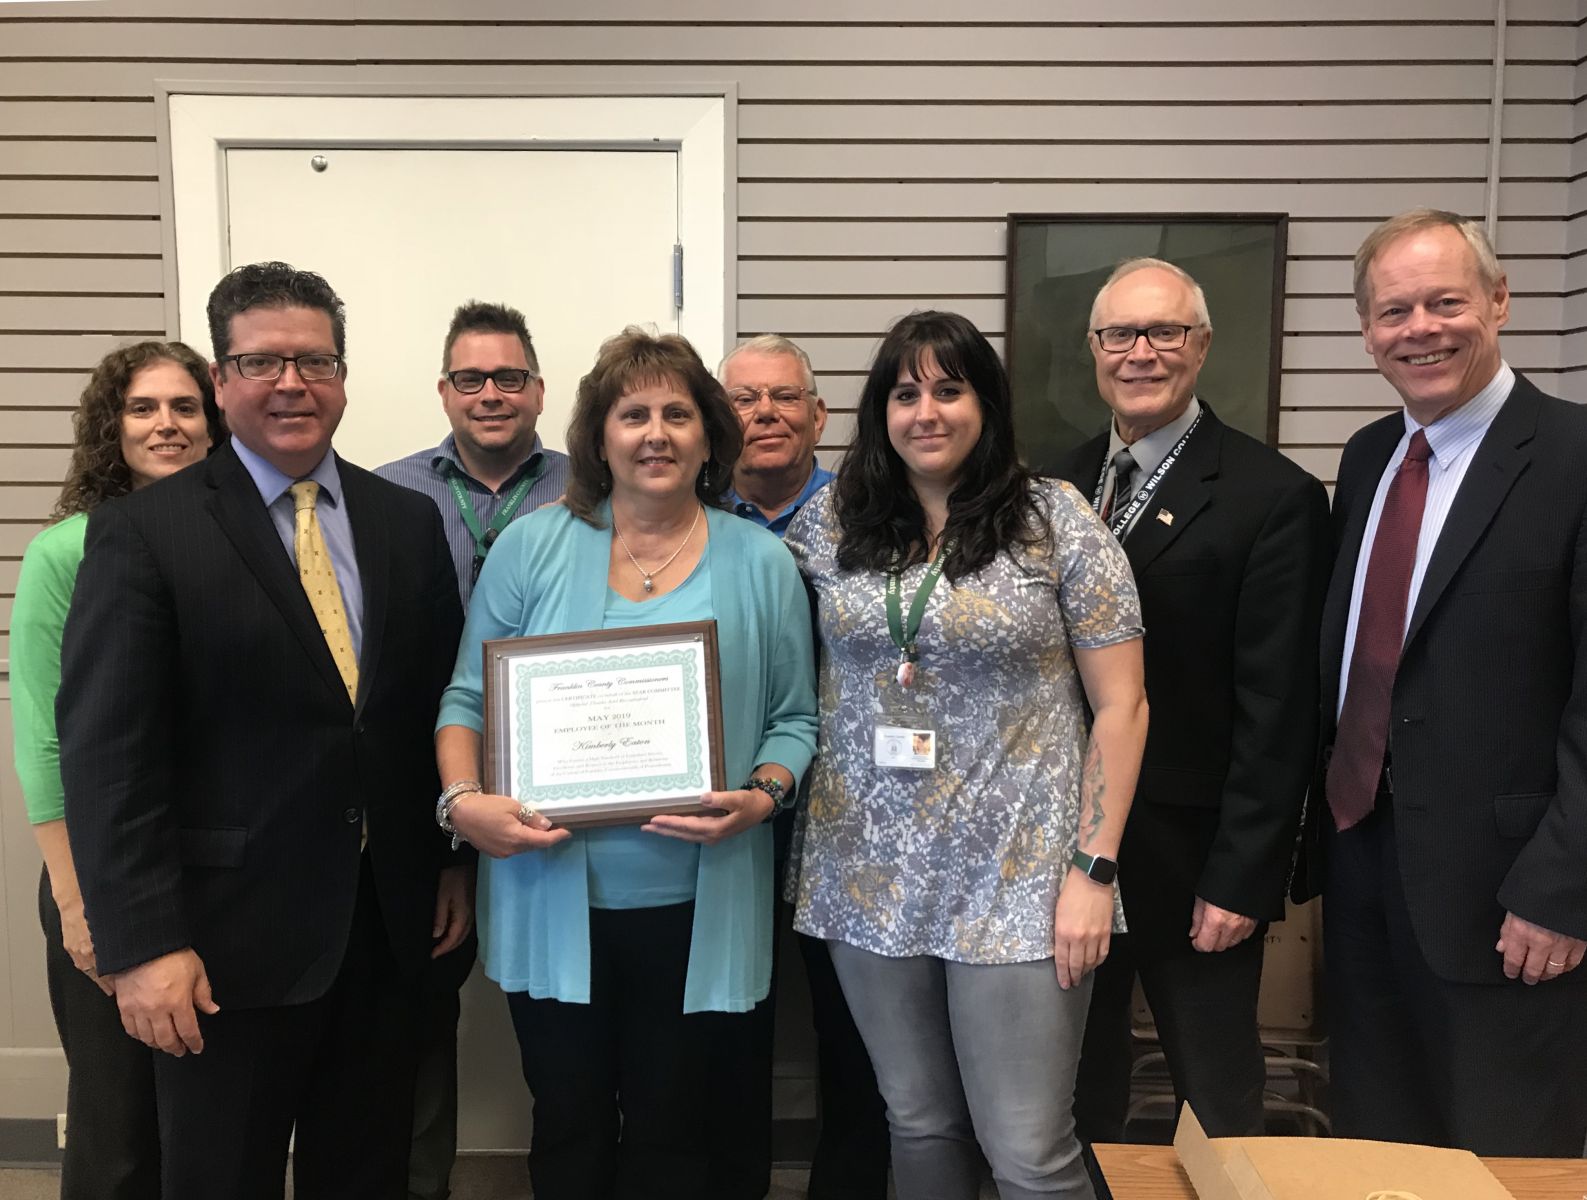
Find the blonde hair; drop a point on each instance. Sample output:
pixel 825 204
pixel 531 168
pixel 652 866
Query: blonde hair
pixel 1414 221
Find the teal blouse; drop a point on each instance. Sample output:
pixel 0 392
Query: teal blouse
pixel 547 574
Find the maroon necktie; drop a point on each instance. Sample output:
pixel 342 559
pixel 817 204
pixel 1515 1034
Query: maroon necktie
pixel 1363 733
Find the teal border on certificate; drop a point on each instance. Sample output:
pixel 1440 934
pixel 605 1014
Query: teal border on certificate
pixel 691 779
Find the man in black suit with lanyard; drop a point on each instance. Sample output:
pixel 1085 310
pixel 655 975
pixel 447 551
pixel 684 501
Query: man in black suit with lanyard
pixel 1228 542
pixel 1449 828
pixel 250 674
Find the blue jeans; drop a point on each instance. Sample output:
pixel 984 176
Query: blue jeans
pixel 971 1055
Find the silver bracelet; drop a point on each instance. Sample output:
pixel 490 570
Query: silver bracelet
pixel 448 800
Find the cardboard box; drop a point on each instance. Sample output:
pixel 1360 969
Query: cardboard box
pixel 1290 1168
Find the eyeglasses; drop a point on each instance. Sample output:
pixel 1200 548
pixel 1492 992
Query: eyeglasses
pixel 1116 339
pixel 746 398
pixel 312 368
pixel 506 379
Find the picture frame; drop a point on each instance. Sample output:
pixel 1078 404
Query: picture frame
pixel 608 726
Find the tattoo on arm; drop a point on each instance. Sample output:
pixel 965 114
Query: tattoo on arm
pixel 1093 786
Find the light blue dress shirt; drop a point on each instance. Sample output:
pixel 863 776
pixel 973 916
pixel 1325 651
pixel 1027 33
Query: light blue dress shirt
pixel 1454 440
pixel 335 526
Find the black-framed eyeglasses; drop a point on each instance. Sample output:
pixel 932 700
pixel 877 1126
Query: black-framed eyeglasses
pixel 1116 339
pixel 784 397
pixel 312 368
pixel 506 379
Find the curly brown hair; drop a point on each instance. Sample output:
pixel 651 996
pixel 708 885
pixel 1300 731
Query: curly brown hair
pixel 98 471
pixel 633 359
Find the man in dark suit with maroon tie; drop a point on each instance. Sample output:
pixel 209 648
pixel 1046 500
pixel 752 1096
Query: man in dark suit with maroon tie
pixel 1449 830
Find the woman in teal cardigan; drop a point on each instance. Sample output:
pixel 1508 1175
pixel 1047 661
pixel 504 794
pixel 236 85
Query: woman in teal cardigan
pixel 631 956
pixel 148 411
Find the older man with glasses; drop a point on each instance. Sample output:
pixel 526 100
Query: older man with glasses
pixel 488 471
pixel 772 388
pixel 1228 540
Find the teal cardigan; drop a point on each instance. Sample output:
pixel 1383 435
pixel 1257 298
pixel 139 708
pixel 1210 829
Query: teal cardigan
pixel 547 573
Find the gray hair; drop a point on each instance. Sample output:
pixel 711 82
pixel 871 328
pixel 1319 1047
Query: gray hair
pixel 1131 265
pixel 772 343
pixel 1414 221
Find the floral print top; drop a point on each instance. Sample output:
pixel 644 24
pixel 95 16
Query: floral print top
pixel 962 862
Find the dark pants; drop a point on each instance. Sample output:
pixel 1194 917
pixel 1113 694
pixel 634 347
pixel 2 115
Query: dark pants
pixel 851 1157
pixel 1497 1069
pixel 338 1069
pixel 113 1139
pixel 435 1088
pixel 628 1094
pixel 1204 1008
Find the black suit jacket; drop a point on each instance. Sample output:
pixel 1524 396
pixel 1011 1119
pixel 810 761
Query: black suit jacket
pixel 1230 596
pixel 217 777
pixel 1488 725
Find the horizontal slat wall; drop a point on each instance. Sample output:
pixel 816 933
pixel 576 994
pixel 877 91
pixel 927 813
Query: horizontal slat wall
pixel 1574 311
pixel 881 147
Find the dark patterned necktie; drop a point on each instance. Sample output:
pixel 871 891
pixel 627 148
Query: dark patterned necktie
pixel 1123 472
pixel 1363 734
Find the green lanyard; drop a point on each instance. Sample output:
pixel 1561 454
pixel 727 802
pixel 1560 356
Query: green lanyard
pixel 904 635
pixel 486 537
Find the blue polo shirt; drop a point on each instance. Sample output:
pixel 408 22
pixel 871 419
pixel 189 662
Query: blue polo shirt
pixel 819 478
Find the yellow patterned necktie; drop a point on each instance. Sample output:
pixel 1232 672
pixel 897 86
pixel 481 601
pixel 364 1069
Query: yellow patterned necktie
pixel 318 577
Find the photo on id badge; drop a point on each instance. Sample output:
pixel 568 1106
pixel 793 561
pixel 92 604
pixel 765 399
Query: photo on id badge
pixel 905 731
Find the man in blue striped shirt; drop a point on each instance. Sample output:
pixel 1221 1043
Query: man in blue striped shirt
pixel 488 471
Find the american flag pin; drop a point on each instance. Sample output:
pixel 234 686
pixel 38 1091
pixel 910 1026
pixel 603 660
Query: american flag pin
pixel 1166 517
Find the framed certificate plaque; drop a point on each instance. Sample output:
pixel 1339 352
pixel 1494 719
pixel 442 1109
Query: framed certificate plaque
pixel 605 727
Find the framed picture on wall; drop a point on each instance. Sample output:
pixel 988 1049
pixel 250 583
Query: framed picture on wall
pixel 1056 263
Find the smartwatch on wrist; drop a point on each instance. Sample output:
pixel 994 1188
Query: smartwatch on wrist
pixel 1096 868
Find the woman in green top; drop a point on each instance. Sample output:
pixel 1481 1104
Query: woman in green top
pixel 148 411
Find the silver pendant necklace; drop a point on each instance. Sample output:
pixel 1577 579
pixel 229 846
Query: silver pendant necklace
pixel 649 576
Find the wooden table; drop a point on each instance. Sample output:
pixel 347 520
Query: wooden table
pixel 1154 1173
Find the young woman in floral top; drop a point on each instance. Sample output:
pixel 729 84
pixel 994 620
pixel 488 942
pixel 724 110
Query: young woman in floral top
pixel 979 746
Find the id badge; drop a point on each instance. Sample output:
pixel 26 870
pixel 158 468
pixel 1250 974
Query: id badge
pixel 905 747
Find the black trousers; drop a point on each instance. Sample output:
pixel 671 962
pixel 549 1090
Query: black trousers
pixel 339 1069
pixel 1204 1008
pixel 434 1150
pixel 852 1153
pixel 112 1136
pixel 1497 1069
pixel 629 1100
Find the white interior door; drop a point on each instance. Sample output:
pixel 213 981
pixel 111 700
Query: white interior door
pixel 580 241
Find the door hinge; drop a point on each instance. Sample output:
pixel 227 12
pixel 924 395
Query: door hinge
pixel 677 278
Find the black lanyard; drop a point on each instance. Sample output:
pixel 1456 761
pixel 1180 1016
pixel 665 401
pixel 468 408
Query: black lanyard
pixel 904 636
pixel 1121 522
pixel 485 538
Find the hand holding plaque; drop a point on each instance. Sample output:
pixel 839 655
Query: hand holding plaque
pixel 606 727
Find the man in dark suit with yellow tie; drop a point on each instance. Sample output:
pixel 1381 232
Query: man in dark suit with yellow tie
pixel 1449 829
pixel 250 674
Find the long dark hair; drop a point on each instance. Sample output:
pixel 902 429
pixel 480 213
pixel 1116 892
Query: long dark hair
pixel 98 472
pixel 633 359
pixel 991 508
